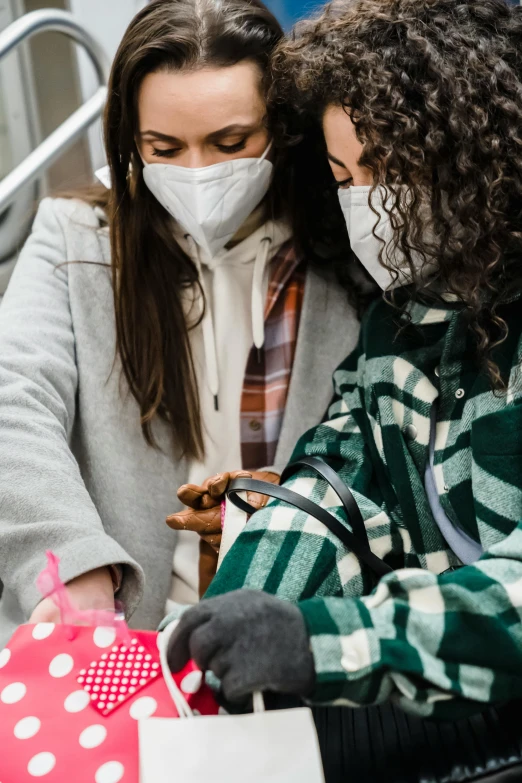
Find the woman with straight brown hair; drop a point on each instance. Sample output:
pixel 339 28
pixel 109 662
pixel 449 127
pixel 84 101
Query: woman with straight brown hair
pixel 177 323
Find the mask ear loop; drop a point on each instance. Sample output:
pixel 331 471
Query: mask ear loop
pixel 265 153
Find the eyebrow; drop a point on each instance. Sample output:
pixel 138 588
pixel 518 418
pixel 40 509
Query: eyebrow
pixel 159 136
pixel 227 131
pixel 336 161
pixel 231 129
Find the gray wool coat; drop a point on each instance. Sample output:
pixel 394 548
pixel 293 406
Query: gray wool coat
pixel 76 475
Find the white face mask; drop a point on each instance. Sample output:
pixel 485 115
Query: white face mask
pixel 213 202
pixel 360 222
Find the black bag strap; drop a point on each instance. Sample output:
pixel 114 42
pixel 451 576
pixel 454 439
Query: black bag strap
pixel 339 487
pixel 357 542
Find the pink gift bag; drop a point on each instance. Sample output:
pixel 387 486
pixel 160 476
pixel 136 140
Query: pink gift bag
pixel 71 698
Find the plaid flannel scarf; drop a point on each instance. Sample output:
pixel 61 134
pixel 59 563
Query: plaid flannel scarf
pixel 269 370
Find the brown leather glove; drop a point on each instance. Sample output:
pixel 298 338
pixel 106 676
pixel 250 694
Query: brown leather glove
pixel 203 515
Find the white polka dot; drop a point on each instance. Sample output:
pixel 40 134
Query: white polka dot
pixel 93 736
pixel 13 693
pixel 27 728
pixel 76 702
pixel 104 637
pixel 222 711
pixel 43 630
pixel 41 765
pixel 61 666
pixel 5 657
pixel 191 683
pixel 143 708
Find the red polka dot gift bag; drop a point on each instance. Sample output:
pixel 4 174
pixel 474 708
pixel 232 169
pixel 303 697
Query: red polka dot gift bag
pixel 71 698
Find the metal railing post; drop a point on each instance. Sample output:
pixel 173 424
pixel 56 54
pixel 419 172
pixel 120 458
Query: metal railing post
pixel 53 20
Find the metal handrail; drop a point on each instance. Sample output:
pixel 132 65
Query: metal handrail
pixel 56 21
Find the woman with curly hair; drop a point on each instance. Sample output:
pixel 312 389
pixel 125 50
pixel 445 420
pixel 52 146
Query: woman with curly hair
pixel 421 106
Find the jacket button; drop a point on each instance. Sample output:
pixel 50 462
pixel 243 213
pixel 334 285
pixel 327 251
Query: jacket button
pixel 459 394
pixel 437 372
pixel 410 432
pixel 255 425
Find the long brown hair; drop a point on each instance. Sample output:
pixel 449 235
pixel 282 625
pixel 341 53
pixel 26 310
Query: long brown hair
pixel 434 88
pixel 150 270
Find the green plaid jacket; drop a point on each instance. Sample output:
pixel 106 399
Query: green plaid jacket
pixel 435 640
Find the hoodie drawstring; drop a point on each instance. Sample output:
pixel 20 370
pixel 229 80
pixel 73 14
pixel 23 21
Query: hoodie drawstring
pixel 258 311
pixel 207 325
pixel 258 293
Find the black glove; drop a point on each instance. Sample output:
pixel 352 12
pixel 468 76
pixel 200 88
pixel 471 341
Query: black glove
pixel 250 640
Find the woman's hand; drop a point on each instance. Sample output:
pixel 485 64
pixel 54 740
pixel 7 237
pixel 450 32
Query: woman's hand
pixel 203 515
pixel 250 640
pixel 93 590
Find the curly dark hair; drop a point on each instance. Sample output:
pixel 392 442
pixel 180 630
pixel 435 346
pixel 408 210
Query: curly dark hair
pixel 434 88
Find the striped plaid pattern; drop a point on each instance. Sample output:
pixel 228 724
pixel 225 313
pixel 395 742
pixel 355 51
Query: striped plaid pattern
pixel 437 641
pixel 268 370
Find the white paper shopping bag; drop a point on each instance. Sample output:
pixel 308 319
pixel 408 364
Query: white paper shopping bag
pixel 234 522
pixel 264 747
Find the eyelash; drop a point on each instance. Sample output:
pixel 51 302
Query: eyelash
pixel 228 150
pixel 232 148
pixel 344 183
pixel 164 153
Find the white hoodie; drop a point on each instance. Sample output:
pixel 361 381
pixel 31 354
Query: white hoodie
pixel 235 283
